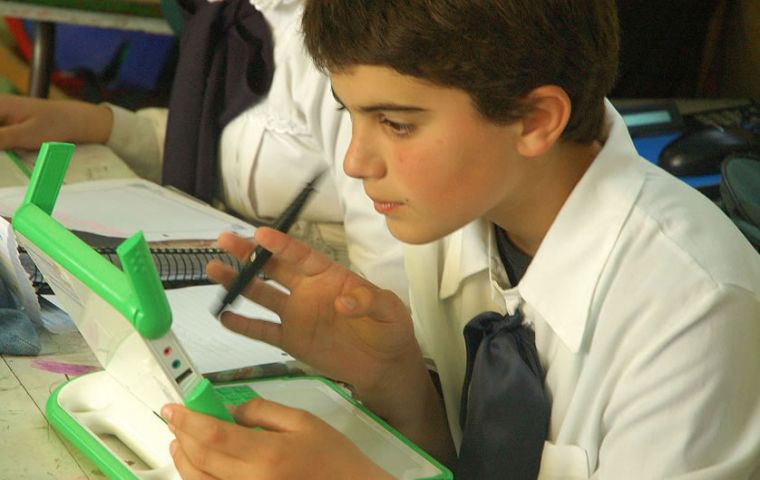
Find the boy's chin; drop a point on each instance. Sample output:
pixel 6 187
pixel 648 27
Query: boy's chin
pixel 415 233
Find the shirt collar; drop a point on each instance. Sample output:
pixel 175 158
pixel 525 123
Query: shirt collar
pixel 587 225
pixel 580 240
pixel 467 252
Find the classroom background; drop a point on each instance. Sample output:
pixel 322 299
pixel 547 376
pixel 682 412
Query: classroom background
pixel 674 49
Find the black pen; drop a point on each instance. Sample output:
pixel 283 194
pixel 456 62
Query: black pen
pixel 260 255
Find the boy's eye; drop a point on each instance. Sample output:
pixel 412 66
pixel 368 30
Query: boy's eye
pixel 401 129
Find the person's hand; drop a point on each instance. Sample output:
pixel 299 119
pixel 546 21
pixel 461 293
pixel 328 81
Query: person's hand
pixel 27 122
pixel 291 444
pixel 332 319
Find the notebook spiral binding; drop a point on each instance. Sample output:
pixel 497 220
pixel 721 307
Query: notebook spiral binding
pixel 177 267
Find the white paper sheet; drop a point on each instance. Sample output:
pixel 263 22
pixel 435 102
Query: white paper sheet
pixel 119 208
pixel 212 347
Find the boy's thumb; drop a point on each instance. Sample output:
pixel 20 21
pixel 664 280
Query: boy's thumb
pixel 269 415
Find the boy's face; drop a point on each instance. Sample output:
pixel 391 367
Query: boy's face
pixel 430 163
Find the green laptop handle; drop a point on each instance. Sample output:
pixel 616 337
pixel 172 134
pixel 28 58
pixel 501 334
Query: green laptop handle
pixel 204 399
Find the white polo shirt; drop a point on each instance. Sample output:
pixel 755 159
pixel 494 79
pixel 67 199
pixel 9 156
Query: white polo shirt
pixel 645 300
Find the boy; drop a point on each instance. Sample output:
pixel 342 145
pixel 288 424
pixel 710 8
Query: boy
pixel 481 133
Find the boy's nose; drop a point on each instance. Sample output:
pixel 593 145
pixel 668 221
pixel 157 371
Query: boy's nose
pixel 363 160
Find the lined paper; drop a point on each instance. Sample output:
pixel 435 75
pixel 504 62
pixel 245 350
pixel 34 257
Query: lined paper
pixel 209 344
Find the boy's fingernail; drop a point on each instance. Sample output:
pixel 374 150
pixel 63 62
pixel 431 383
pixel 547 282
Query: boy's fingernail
pixel 166 413
pixel 348 302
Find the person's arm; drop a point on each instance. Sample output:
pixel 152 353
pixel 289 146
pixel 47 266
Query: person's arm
pixel 138 139
pixel 27 122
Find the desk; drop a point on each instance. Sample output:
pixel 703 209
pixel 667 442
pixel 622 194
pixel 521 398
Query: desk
pixel 140 15
pixel 30 448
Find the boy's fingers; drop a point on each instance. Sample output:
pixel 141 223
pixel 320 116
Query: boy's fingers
pixel 242 249
pixel 184 466
pixel 266 294
pixel 221 273
pixel 257 290
pixel 205 429
pixel 208 459
pixel 237 246
pixel 207 443
pixel 266 331
pixel 272 416
pixel 291 255
pixel 220 448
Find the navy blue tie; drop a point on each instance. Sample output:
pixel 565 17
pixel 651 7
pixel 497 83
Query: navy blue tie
pixel 504 412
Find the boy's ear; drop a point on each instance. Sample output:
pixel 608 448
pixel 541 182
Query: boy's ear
pixel 546 120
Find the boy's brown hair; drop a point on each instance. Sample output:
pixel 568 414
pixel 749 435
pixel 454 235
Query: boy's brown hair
pixel 495 50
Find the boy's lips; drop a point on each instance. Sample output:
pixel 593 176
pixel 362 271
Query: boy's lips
pixel 384 206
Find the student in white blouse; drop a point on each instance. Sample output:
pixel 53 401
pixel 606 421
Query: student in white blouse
pixel 266 153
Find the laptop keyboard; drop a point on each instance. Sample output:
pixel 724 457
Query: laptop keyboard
pixel 236 395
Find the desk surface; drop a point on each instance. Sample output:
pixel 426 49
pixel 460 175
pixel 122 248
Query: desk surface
pixel 31 448
pixel 140 15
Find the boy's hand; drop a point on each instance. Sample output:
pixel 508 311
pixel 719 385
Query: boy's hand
pixel 292 444
pixel 332 319
pixel 27 122
pixel 346 328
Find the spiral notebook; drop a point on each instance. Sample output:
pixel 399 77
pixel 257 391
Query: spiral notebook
pixel 177 267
